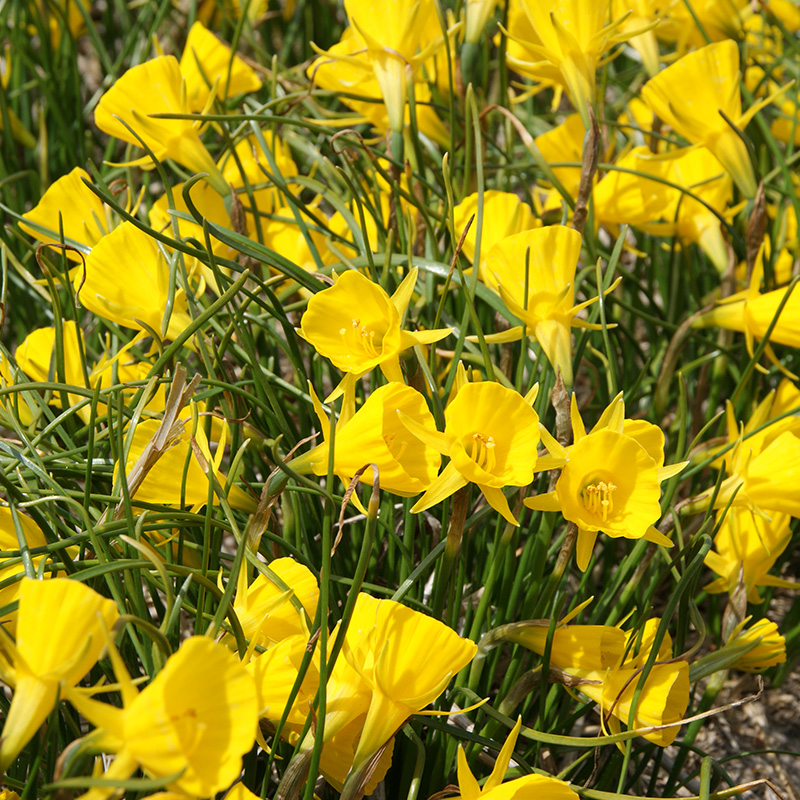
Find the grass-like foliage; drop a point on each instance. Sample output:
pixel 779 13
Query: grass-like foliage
pixel 397 397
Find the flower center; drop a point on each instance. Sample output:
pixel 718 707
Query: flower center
pixel 598 498
pixel 482 451
pixel 360 337
pixel 396 450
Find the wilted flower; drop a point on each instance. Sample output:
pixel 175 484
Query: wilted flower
pixel 611 481
pixel 45 660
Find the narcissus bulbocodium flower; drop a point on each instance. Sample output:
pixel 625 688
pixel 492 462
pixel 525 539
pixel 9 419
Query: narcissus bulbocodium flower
pixel 626 198
pixel 664 696
pixel 140 301
pixel 689 96
pixel 47 659
pixel 357 325
pixel 752 312
pixel 197 717
pixel 542 787
pixel 543 261
pixel 208 64
pixel 570 39
pixel 264 609
pixel 375 434
pixel 504 214
pixel 406 659
pixel 770 650
pixel 341 76
pixel 491 434
pixel 178 477
pixel 70 207
pixel 156 87
pixel 10 540
pixel 611 481
pixel 396 42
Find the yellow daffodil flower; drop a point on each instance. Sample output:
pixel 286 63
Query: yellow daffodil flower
pixel 663 699
pixel 143 296
pixel 197 717
pixel 571 37
pixel 156 87
pixel 626 198
pixel 491 435
pixel 406 658
pixel 550 256
pixel 207 63
pixel 69 206
pixel 341 76
pixel 542 787
pixel 746 547
pixel 374 433
pixel 770 650
pixel 504 214
pixel 611 481
pixel 9 540
pixel 177 476
pixel 689 96
pixel 357 325
pixel 395 45
pixel 47 659
pixel 563 143
pixel 752 312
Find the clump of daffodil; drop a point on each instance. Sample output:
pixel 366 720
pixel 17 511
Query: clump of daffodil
pixel 542 787
pixel 195 719
pixel 157 87
pixel 491 436
pixel 534 272
pixel 570 39
pixel 374 434
pixel 664 696
pixel 611 481
pixel 45 660
pixel 357 325
pixel 752 312
pixel 692 95
pixel 395 42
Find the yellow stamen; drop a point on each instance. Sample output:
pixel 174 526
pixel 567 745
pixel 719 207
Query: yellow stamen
pixel 598 498
pixel 482 451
